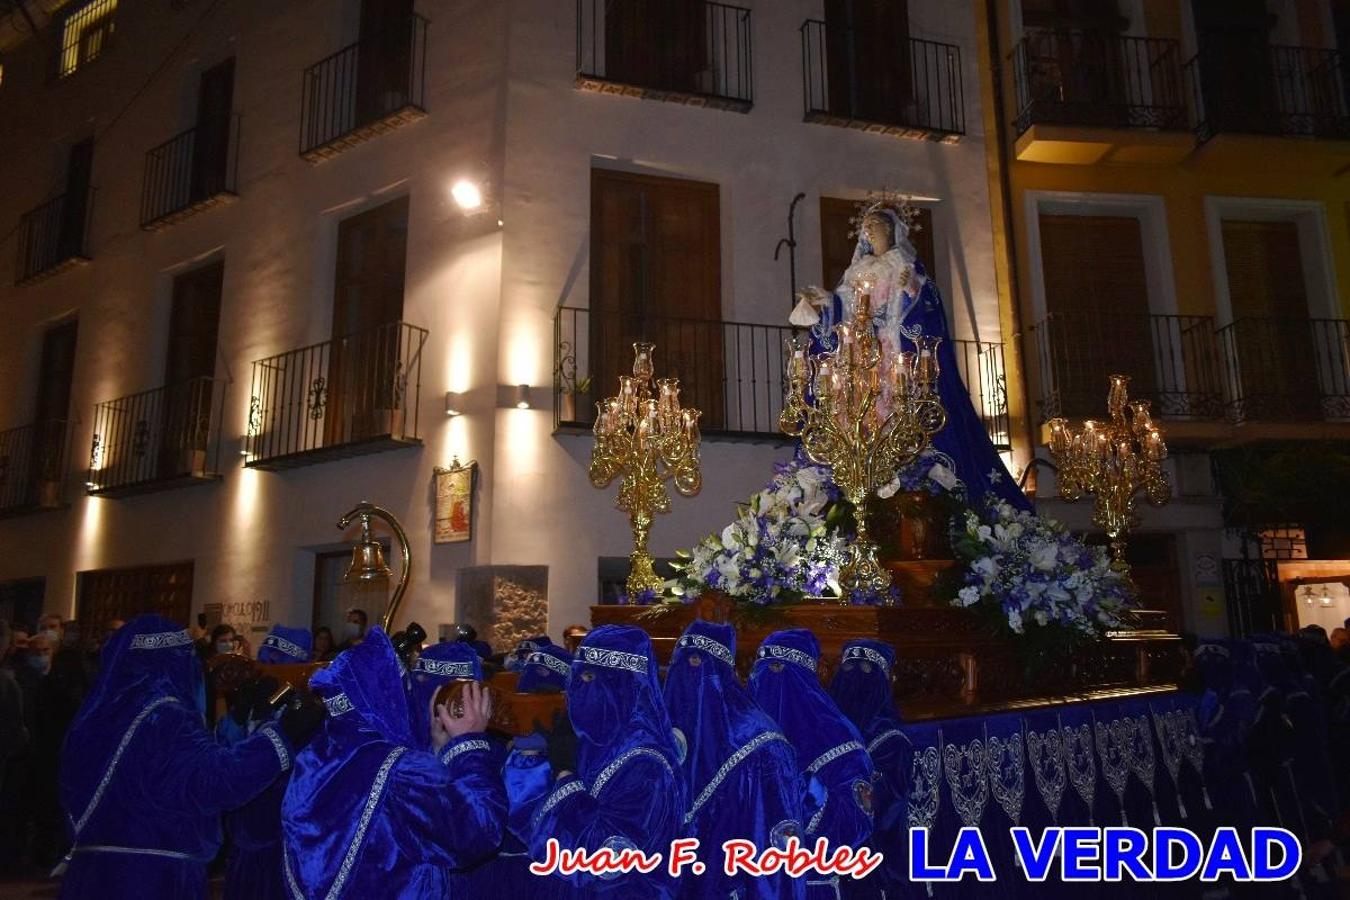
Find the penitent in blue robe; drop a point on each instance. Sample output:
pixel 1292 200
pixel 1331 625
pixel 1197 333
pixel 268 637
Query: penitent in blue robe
pixel 741 770
pixel 862 689
pixel 628 792
pixel 368 812
pixel 142 781
pixel 830 751
pixel 254 870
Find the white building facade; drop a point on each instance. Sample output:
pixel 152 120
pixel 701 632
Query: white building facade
pixel 487 93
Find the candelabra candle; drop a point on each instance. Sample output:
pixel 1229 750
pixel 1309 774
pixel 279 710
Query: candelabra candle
pixel 646 440
pixel 1113 461
pixel 865 416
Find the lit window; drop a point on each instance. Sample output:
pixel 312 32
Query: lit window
pixel 85 33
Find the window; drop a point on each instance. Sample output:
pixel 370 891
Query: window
pixel 106 594
pixel 656 276
pixel 85 32
pixel 837 243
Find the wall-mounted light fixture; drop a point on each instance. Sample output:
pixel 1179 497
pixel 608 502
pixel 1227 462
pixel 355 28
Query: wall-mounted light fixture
pixel 454 403
pixel 468 195
pixel 521 396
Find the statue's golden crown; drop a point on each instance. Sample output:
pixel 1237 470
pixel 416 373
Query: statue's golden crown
pixel 884 199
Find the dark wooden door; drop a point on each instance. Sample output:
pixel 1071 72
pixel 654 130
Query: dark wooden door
pixel 384 58
pixel 1096 294
pixel 189 370
pixel 656 276
pixel 1236 68
pixel 869 63
pixel 107 594
pixel 51 411
pixel 1270 343
pixel 364 361
pixel 75 211
pixel 211 147
pixel 659 44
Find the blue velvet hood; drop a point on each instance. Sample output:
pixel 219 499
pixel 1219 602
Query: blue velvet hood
pixel 614 701
pixel 713 713
pixel 862 687
pixel 547 668
pixel 148 659
pixel 286 645
pixel 437 665
pixel 367 719
pixel 794 697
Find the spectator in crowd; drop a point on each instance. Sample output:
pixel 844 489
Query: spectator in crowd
pixel 325 648
pixel 354 629
pixel 50 626
pixel 13 726
pixel 242 646
pixel 220 641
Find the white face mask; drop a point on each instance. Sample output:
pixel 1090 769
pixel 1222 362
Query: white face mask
pixel 224 646
pixel 40 664
pixel 352 629
pixel 53 636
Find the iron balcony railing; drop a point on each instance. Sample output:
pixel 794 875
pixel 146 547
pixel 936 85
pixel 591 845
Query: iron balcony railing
pixel 33 467
pixel 1287 369
pixel 364 89
pixel 157 439
pixel 921 95
pixel 53 236
pixel 732 371
pixel 689 52
pixel 1095 78
pixel 1242 84
pixel 1172 362
pixel 191 171
pixel 344 397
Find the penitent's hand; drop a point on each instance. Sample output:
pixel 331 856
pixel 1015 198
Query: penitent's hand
pixel 477 704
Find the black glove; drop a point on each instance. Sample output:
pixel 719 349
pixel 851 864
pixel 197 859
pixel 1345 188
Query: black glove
pixel 562 744
pixel 301 720
pixel 250 700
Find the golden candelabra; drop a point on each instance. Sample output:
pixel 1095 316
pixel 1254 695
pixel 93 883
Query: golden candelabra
pixel 1113 461
pixel 648 439
pixel 865 416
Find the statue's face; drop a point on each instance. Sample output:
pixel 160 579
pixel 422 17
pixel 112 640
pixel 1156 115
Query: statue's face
pixel 877 230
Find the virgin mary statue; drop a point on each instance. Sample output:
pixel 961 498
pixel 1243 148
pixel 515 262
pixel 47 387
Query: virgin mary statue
pixel 906 305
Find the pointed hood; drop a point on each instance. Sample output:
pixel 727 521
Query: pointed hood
pixel 784 683
pixel 436 666
pixel 286 645
pixel 862 687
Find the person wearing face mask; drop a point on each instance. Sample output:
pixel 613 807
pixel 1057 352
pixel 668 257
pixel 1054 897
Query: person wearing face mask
pixel 862 689
pixel 625 788
pixel 830 752
pixel 741 770
pixel 144 783
pixel 219 642
pixel 13 747
pixel 50 626
pixel 354 629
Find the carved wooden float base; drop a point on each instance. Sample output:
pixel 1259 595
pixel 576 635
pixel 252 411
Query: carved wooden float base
pixel 948 663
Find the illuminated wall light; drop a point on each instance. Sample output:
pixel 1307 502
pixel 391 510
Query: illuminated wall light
pixel 454 403
pixel 521 396
pixel 468 195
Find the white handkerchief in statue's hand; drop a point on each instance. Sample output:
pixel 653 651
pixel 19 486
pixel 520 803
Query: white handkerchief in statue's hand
pixel 810 300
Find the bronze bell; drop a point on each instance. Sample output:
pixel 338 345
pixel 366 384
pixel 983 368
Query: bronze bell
pixel 367 558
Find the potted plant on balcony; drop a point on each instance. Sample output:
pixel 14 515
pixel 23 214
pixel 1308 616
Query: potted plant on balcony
pixel 569 386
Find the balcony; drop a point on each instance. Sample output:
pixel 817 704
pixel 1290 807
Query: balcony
pixel 363 90
pixel 190 172
pixel 1085 97
pixel 1253 379
pixel 157 440
pixel 694 53
pixel 1243 85
pixel 346 397
pixel 1287 370
pixel 732 371
pixel 921 98
pixel 1171 360
pixel 53 237
pixel 32 467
